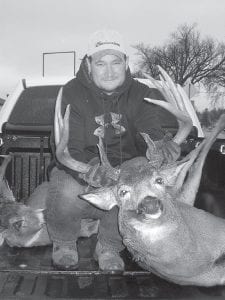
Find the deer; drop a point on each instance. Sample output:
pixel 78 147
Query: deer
pixel 24 225
pixel 160 226
pixel 20 225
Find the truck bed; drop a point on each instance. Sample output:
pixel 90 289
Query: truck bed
pixel 29 274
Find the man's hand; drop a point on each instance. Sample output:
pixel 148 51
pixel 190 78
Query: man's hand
pixel 98 175
pixel 168 149
pixel 162 152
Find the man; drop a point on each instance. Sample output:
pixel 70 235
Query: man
pixel 105 101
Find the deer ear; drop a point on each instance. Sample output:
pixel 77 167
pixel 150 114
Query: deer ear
pixel 176 174
pixel 40 214
pixel 104 198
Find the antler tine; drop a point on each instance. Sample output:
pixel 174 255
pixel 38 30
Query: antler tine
pixel 191 110
pixel 161 87
pixel 111 172
pixel 169 94
pixel 103 157
pixel 7 159
pixel 62 138
pixel 58 119
pixel 185 123
pixel 172 88
pixel 174 104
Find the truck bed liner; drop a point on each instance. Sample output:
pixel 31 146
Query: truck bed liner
pixel 29 274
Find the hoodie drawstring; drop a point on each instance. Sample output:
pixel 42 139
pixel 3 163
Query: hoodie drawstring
pixel 120 127
pixel 104 127
pixel 120 130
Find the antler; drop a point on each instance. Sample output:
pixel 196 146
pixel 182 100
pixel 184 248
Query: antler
pixel 111 172
pixel 61 127
pixel 94 175
pixel 194 165
pixel 175 106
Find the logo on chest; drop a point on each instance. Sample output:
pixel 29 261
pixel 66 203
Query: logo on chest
pixel 109 122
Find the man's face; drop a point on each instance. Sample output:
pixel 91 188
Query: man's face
pixel 108 72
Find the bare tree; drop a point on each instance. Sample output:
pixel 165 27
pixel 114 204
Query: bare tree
pixel 186 56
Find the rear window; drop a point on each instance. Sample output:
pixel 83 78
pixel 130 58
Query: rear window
pixel 35 106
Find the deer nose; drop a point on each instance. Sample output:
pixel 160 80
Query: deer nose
pixel 150 207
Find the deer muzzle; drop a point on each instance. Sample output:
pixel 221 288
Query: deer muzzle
pixel 150 208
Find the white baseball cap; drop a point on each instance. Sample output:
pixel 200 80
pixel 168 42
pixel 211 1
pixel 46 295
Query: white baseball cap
pixel 105 42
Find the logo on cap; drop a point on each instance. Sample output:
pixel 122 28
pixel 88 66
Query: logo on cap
pixel 98 44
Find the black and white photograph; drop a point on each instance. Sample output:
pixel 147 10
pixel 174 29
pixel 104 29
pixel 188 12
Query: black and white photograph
pixel 112 149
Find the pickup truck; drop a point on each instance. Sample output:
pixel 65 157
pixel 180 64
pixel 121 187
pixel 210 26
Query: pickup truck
pixel 26 124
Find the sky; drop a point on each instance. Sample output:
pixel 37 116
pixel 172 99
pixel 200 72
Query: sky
pixel 29 28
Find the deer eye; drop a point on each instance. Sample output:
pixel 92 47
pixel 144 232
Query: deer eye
pixel 123 193
pixel 159 180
